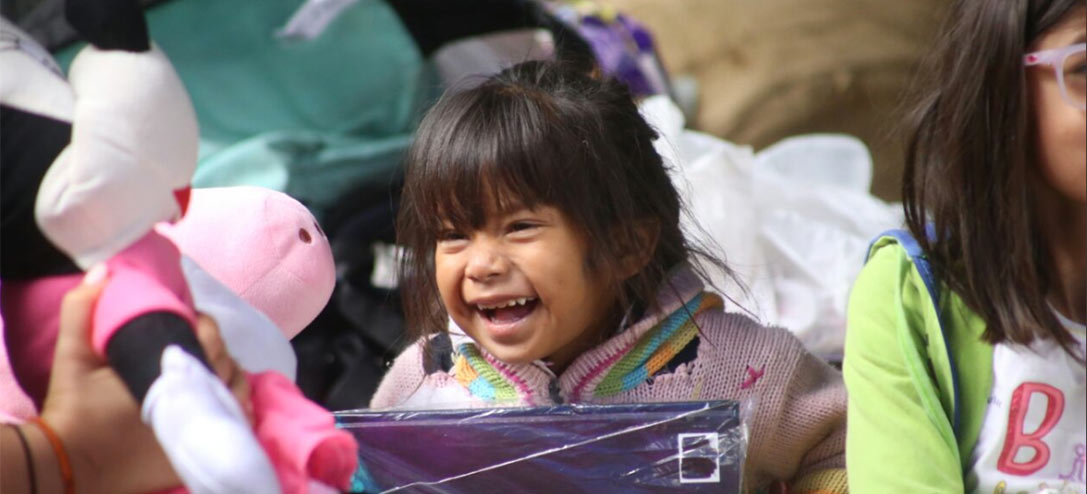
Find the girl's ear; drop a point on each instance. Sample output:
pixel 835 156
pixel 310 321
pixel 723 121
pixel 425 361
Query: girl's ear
pixel 637 247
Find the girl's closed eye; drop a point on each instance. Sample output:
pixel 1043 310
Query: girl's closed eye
pixel 450 237
pixel 523 228
pixel 527 224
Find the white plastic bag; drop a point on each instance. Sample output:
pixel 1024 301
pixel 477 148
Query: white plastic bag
pixel 793 221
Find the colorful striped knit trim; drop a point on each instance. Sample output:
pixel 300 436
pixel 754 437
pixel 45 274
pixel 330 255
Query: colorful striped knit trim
pixel 657 347
pixel 474 372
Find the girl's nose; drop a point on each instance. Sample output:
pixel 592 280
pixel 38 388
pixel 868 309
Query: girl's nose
pixel 485 263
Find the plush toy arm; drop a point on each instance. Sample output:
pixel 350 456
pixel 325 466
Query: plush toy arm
pixel 301 437
pixel 252 339
pixel 134 144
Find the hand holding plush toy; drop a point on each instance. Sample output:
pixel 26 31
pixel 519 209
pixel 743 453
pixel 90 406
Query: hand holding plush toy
pixel 256 262
pixel 92 194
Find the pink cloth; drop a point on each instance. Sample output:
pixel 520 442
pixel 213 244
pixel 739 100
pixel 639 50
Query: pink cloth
pixel 299 436
pixel 15 405
pixel 31 311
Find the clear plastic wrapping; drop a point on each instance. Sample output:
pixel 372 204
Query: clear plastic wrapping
pixel 636 448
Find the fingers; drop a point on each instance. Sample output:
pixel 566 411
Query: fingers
pixel 73 351
pixel 207 332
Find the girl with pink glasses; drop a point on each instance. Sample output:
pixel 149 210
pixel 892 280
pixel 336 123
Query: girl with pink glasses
pixel 965 346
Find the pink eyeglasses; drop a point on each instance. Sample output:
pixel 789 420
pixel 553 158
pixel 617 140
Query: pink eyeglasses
pixel 1070 65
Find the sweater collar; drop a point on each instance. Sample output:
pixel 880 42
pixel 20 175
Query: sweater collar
pixel 618 364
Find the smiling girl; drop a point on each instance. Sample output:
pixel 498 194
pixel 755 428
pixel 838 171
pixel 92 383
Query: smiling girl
pixel 539 219
pixel 997 172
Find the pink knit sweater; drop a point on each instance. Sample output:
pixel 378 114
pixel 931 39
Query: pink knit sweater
pixel 798 429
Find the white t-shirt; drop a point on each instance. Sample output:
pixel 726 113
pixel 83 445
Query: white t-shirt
pixel 1034 436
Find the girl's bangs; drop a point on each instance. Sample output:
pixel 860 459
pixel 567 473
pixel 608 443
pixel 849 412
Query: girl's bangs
pixel 491 160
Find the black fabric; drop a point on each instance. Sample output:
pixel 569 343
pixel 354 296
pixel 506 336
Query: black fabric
pixel 135 350
pixel 44 20
pixel 337 366
pixel 555 392
pixel 439 354
pixel 28 145
pixel 343 354
pixel 109 24
pixel 364 217
pixel 433 23
pixel 687 354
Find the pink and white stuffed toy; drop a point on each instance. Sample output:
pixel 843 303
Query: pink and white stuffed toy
pixel 266 249
pixel 89 166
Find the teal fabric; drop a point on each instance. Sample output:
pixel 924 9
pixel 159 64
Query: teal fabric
pixel 308 117
pixel 313 168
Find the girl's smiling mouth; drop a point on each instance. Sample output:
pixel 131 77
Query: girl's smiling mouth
pixel 509 311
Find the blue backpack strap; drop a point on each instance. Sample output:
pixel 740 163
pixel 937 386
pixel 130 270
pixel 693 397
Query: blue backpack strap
pixel 920 261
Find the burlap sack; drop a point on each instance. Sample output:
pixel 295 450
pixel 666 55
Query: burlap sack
pixel 768 69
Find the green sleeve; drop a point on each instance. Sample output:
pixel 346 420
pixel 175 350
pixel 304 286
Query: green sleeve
pixel 899 437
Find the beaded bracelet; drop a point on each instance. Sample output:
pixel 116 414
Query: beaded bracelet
pixel 29 460
pixel 62 455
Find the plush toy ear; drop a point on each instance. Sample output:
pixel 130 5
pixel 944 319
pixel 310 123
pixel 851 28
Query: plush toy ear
pixel 109 24
pixel 134 143
pixel 262 244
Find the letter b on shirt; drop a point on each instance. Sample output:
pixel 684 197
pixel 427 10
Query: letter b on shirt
pixel 1018 438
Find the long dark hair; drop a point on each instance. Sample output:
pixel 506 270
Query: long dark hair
pixel 969 165
pixel 541 133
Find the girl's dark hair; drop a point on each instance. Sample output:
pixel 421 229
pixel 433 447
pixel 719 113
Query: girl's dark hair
pixel 969 168
pixel 540 133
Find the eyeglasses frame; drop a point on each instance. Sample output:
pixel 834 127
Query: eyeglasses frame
pixel 1055 58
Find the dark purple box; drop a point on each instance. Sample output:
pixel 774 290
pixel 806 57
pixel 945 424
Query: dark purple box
pixel 641 448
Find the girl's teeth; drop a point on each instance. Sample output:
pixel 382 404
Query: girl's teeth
pixel 511 303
